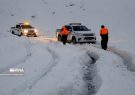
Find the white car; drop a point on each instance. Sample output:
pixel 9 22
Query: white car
pixel 78 34
pixel 24 29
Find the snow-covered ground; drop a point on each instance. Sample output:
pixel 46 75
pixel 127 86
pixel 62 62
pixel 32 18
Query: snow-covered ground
pixel 51 68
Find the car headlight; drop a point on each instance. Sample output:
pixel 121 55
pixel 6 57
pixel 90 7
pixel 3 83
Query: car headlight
pixel 36 31
pixel 25 31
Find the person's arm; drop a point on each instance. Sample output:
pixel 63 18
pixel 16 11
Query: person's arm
pixel 100 32
pixel 107 31
pixel 61 31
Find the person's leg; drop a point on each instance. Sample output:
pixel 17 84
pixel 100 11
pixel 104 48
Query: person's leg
pixel 64 42
pixel 106 41
pixel 64 39
pixel 105 45
pixel 102 44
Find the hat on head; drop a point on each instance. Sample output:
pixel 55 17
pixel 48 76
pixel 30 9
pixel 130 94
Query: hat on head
pixel 102 26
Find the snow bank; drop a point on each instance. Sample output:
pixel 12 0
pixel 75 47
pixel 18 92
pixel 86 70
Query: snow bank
pixel 116 79
pixel 13 51
pixel 66 77
pixel 128 58
pixel 51 69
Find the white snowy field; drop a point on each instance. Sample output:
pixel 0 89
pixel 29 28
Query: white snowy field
pixel 51 68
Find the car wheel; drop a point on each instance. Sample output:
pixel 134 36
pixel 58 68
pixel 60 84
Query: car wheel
pixel 20 34
pixel 74 40
pixel 35 35
pixel 59 38
pixel 13 32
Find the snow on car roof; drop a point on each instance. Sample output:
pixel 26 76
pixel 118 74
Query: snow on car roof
pixel 75 24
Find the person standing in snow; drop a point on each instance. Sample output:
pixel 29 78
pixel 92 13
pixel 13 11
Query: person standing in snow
pixel 104 37
pixel 64 32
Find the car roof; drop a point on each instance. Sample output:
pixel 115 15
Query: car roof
pixel 75 24
pixel 22 24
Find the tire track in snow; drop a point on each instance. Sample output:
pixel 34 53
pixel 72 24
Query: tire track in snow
pixel 90 72
pixel 53 63
pixel 126 57
pixel 29 84
pixel 44 39
pixel 20 61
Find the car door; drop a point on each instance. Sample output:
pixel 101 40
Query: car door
pixel 69 28
pixel 17 29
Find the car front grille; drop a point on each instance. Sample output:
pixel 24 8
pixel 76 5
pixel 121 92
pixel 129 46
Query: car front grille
pixel 31 31
pixel 89 38
pixel 88 34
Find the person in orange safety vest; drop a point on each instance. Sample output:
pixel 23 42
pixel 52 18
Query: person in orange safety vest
pixel 104 37
pixel 64 32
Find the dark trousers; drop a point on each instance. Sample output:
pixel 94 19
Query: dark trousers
pixel 104 41
pixel 64 39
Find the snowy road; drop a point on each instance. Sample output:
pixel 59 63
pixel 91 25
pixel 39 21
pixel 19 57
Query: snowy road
pixel 116 68
pixel 52 68
pixel 43 58
pixel 127 58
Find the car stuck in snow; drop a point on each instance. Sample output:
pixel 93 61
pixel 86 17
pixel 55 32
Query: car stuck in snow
pixel 78 34
pixel 24 29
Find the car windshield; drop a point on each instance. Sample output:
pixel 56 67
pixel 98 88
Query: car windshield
pixel 80 28
pixel 26 26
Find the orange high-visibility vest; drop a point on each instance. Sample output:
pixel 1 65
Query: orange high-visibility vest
pixel 103 31
pixel 64 31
